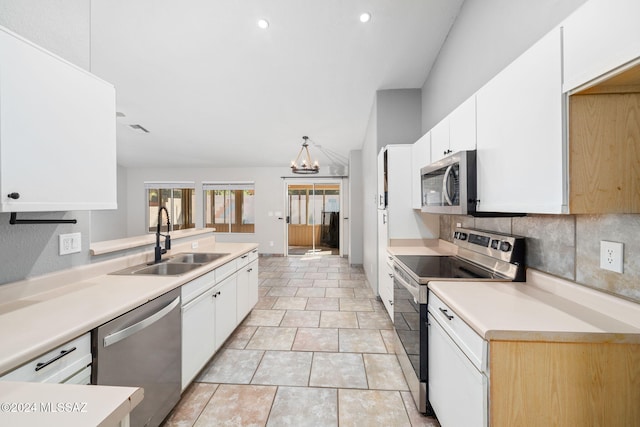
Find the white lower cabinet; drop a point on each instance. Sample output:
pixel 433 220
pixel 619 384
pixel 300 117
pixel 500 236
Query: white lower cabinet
pixel 198 335
pixel 213 306
pixel 68 363
pixel 386 285
pixel 226 308
pixel 457 386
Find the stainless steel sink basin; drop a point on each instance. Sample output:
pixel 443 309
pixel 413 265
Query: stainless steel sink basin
pixel 163 269
pixel 195 258
pixel 173 266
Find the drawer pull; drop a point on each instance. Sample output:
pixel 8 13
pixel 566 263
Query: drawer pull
pixel 216 294
pixel 244 256
pixel 446 314
pixel 250 270
pixel 63 353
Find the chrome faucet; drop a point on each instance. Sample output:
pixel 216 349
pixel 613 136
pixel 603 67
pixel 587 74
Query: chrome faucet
pixel 167 238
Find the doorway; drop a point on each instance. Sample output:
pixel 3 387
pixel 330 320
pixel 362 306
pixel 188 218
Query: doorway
pixel 313 218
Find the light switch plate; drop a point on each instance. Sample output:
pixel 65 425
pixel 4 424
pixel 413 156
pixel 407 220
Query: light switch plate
pixel 70 243
pixel 611 256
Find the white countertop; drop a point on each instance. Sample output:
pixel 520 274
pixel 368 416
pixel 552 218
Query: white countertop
pixel 421 247
pixel 70 405
pixel 544 308
pixel 37 315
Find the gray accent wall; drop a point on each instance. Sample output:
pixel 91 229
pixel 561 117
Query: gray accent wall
pixel 486 37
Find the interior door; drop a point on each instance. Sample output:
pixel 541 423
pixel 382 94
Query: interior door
pixel 313 218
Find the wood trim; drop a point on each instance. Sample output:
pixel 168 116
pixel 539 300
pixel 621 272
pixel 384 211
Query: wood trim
pixel 564 384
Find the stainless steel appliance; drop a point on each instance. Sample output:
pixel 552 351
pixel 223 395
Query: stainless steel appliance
pixel 449 185
pixel 141 348
pixel 482 255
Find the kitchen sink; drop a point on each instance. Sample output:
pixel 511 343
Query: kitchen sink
pixel 173 266
pixel 195 258
pixel 162 269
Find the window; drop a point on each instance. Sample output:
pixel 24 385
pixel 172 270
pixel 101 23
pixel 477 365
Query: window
pixel 177 197
pixel 229 207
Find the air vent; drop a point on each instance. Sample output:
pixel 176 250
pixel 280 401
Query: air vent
pixel 138 128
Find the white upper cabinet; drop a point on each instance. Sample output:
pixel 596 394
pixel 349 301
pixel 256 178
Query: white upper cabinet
pixel 420 157
pixel 440 140
pixel 456 132
pixel 520 144
pixel 57 132
pixel 462 126
pixel 598 37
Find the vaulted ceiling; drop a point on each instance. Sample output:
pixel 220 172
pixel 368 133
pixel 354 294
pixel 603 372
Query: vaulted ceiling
pixel 214 89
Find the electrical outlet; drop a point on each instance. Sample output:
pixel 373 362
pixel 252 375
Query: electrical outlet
pixel 70 243
pixel 194 245
pixel 611 256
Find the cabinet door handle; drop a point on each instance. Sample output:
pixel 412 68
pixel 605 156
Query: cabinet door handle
pixel 390 302
pixel 250 270
pixel 63 353
pixel 390 275
pixel 446 313
pixel 13 196
pixel 216 294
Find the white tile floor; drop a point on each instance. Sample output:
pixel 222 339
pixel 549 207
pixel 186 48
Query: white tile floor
pixel 317 350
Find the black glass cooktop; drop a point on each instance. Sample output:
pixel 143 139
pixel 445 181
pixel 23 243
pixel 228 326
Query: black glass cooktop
pixel 446 267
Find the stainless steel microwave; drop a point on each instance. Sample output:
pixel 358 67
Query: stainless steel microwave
pixel 449 185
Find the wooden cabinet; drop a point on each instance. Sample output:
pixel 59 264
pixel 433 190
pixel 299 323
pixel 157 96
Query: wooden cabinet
pixel 604 136
pixel 520 146
pixel 420 157
pixel 57 132
pixel 600 36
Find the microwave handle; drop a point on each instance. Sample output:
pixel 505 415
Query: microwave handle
pixel 445 185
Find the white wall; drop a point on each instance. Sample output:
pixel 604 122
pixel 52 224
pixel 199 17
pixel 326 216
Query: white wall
pixel 270 200
pixel 112 224
pixel 356 189
pixel 398 116
pixel 486 37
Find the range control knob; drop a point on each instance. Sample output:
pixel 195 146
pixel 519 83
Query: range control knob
pixel 456 235
pixel 462 236
pixel 505 246
pixel 495 244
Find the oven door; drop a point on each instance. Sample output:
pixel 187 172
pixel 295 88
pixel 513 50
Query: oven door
pixel 409 321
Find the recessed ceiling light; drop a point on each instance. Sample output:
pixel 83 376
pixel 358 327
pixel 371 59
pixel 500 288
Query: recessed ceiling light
pixel 263 23
pixel 365 17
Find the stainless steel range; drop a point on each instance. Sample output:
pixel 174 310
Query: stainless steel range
pixel 482 255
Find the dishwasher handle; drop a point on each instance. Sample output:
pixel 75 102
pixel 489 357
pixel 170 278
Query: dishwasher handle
pixel 130 330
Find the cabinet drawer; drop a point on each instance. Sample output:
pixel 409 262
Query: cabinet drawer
pixel 56 366
pixel 226 270
pixel 243 260
pixel 196 287
pixel 253 255
pixel 472 344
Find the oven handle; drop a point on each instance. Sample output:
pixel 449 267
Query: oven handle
pixel 413 290
pixel 445 185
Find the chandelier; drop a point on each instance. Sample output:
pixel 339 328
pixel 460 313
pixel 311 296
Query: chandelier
pixel 305 167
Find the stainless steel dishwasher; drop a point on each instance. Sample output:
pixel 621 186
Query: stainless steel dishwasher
pixel 141 348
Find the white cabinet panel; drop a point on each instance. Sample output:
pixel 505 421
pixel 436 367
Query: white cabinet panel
pixel 198 335
pixel 462 126
pixel 57 132
pixel 420 157
pixel 226 308
pixel 440 140
pixel 457 390
pixel 247 289
pixel 520 144
pixel 382 177
pixel 386 284
pixel 598 37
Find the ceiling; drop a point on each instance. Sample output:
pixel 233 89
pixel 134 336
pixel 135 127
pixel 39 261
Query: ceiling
pixel 214 90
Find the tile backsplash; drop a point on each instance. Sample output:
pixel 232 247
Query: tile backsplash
pixel 568 246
